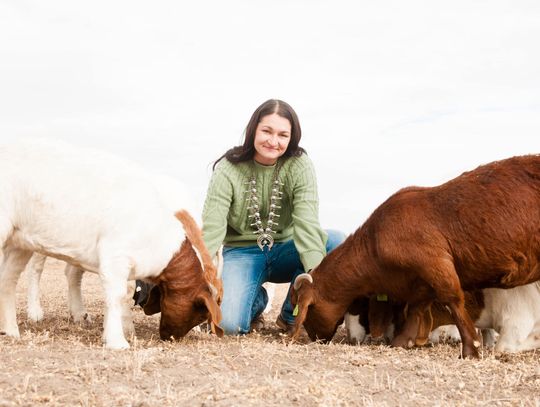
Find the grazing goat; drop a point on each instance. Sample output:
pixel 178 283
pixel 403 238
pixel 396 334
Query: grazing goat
pixel 479 230
pixel 106 215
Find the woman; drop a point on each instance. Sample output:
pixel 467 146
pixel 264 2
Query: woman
pixel 262 205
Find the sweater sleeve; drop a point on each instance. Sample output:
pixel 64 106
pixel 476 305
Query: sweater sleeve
pixel 216 209
pixel 309 238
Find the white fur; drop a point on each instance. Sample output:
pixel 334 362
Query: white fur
pixel 489 337
pixel 445 333
pixel 356 333
pixel 75 302
pixel 515 314
pixel 34 269
pixel 271 291
pixel 96 211
pixel 76 306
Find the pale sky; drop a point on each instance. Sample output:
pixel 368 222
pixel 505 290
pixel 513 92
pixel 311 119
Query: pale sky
pixel 389 93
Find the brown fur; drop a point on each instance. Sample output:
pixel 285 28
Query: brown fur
pixel 437 314
pixel 183 290
pixel 375 315
pixel 194 234
pixel 379 316
pixel 478 230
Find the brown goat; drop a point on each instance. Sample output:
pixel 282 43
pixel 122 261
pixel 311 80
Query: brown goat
pixel 481 229
pixel 184 293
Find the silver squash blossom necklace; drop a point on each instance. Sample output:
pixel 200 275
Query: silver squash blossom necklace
pixel 264 230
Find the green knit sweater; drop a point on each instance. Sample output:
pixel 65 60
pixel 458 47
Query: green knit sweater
pixel 225 212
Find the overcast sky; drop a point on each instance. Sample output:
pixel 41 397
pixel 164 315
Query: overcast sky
pixel 389 93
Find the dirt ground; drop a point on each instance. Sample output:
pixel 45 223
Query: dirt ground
pixel 58 362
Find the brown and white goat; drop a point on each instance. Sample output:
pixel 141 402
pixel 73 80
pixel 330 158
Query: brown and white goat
pixel 103 214
pixel 479 230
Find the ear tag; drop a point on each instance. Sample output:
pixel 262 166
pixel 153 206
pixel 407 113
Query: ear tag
pixel 382 297
pixel 295 311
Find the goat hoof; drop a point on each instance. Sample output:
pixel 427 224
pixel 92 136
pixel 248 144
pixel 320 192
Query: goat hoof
pixel 379 340
pixel 35 315
pixel 14 334
pixel 117 345
pixel 470 354
pixel 401 342
pixel 353 341
pixel 81 317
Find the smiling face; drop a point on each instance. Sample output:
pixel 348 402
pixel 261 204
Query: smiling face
pixel 272 138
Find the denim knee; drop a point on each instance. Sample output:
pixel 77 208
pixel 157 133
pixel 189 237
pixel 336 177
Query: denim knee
pixel 234 320
pixel 232 325
pixel 335 238
pixel 237 316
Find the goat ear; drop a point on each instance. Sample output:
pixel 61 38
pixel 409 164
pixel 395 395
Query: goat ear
pixel 303 297
pixel 425 326
pixel 216 329
pixel 153 304
pixel 214 311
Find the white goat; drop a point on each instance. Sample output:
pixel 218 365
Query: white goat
pixel 34 269
pixel 102 214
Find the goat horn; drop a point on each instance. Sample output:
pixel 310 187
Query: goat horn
pixel 304 276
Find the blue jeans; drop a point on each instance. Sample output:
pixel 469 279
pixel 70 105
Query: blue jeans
pixel 245 269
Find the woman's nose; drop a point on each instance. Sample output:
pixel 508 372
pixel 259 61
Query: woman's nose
pixel 273 140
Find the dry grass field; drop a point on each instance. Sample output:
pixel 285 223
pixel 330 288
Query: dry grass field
pixel 57 362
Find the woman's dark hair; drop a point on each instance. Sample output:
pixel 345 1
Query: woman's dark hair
pixel 246 151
